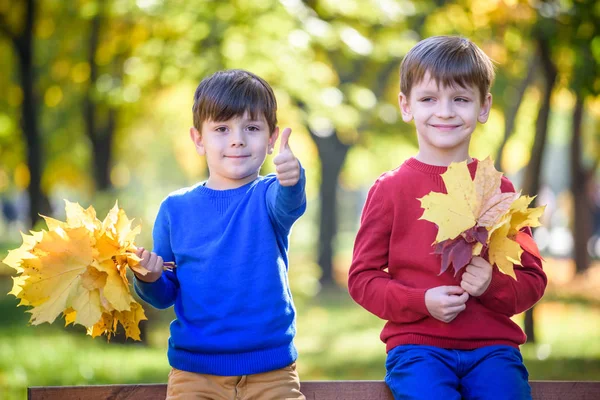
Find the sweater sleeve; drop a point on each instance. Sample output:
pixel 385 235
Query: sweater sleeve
pixel 163 292
pixel 509 296
pixel 368 283
pixel 286 203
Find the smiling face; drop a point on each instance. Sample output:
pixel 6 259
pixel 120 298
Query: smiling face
pixel 445 117
pixel 235 149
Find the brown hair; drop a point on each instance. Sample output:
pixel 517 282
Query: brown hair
pixel 450 60
pixel 231 93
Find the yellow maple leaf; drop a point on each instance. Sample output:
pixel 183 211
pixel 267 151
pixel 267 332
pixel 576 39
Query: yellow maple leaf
pixel 108 323
pixel 467 200
pixel 452 212
pixel 78 268
pixel 130 320
pixel 54 277
pixel 486 183
pixel 503 251
pixel 78 216
pixel 523 216
pixel 15 257
pixel 116 290
pixel 69 315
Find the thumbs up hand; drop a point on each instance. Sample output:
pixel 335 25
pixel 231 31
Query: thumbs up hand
pixel 286 164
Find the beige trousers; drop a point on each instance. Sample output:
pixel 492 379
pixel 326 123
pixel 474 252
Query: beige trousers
pixel 280 384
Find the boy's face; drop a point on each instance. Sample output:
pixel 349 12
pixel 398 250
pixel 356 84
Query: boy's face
pixel 445 118
pixel 235 149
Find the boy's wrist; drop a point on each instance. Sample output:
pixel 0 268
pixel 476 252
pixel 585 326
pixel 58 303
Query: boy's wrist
pixel 148 282
pixel 494 286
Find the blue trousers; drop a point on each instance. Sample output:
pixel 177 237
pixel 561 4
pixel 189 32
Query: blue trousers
pixel 429 373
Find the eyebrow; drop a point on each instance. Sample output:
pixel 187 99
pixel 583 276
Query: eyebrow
pixel 457 91
pixel 246 120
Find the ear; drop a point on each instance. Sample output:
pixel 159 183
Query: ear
pixel 272 140
pixel 404 107
pixel 196 137
pixel 486 106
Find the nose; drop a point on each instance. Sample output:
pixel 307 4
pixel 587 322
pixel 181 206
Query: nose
pixel 445 109
pixel 238 138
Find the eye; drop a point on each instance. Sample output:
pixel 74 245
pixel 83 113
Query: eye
pixel 426 99
pixel 462 99
pixel 253 128
pixel 221 129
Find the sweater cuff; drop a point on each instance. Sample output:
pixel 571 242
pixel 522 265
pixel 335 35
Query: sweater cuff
pixel 148 287
pixel 415 300
pixel 292 197
pixel 495 286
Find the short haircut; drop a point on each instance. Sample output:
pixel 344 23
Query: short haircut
pixel 231 93
pixel 450 60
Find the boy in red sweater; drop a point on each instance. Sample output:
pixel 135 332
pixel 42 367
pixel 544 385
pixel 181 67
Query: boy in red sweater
pixel 446 336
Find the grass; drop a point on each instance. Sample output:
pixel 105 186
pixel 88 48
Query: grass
pixel 53 355
pixel 336 340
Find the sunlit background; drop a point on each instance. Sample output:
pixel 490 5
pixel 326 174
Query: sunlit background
pixel 96 106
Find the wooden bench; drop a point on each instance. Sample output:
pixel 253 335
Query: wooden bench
pixel 313 390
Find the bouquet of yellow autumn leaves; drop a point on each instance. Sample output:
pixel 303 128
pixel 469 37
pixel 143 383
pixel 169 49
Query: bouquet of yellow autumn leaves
pixel 475 216
pixel 78 268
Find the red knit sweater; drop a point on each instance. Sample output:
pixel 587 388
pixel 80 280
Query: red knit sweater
pixel 394 265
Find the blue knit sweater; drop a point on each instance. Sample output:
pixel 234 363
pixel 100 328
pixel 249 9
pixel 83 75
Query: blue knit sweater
pixel 233 305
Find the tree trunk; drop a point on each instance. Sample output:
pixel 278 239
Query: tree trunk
pixel 38 202
pixel 102 144
pixel 100 133
pixel 582 227
pixel 531 182
pixel 332 154
pixel 511 114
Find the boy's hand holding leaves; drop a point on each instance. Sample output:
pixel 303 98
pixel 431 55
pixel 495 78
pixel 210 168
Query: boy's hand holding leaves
pixel 477 277
pixel 287 166
pixel 444 303
pixel 151 262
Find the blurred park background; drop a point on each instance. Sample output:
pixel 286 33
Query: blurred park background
pixel 96 105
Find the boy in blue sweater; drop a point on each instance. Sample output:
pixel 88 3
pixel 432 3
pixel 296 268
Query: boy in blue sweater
pixel 228 237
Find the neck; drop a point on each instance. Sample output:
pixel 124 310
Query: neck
pixel 442 158
pixel 228 184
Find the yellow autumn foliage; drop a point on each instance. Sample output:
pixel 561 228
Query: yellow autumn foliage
pixel 480 202
pixel 504 251
pixel 79 268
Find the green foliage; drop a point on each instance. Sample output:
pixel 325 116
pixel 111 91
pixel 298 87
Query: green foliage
pixel 335 67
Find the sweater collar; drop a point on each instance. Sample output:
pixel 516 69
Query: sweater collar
pixel 437 169
pixel 202 189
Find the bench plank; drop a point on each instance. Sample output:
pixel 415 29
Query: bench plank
pixel 313 390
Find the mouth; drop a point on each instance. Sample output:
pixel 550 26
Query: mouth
pixel 236 157
pixel 445 127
